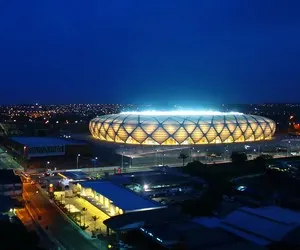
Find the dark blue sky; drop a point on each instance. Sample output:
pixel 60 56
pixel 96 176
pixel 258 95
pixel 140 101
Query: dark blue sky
pixel 138 51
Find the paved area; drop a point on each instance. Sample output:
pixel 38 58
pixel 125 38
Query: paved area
pixel 87 217
pixel 57 225
pixel 27 221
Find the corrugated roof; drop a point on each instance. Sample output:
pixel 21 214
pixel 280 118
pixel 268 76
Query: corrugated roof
pixel 268 224
pixel 153 217
pixel 121 197
pixel 275 213
pixel 44 141
pixel 260 225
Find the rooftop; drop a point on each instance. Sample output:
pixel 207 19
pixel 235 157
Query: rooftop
pixel 140 218
pixel 74 175
pixel 150 178
pixel 121 197
pixel 187 232
pixel 44 141
pixel 259 225
pixel 181 112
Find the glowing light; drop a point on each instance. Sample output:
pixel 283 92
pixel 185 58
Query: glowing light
pixel 181 113
pixel 241 188
pixel 146 187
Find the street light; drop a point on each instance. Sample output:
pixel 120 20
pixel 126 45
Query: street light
pixel 78 155
pixel 122 160
pixel 191 153
pixel 95 161
pixel 131 161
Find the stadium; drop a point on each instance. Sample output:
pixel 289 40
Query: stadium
pixel 181 128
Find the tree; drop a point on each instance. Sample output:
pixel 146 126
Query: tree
pixel 238 157
pixel 264 157
pixel 183 156
pixel 263 161
pixel 196 168
pixel 95 218
pixel 84 212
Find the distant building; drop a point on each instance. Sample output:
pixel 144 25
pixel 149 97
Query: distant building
pixel 36 147
pixel 294 125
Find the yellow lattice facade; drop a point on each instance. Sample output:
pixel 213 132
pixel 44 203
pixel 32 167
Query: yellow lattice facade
pixel 181 129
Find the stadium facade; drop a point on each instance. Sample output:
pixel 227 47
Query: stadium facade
pixel 181 128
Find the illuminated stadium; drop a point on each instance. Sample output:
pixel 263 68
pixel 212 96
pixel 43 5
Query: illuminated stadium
pixel 181 128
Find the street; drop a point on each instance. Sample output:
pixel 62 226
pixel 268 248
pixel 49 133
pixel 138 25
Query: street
pixel 57 226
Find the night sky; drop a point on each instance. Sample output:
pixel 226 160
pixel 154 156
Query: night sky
pixel 159 51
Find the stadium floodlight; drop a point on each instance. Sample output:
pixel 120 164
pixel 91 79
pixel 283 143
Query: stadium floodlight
pixel 180 113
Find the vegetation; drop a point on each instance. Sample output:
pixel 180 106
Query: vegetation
pixel 83 211
pixel 183 156
pixel 219 178
pixel 238 157
pixel 95 218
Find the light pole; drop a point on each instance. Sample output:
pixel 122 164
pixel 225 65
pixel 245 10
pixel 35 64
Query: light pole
pixel 48 163
pixel 156 157
pixel 78 155
pixel 191 154
pixel 122 162
pixel 95 161
pixel 163 159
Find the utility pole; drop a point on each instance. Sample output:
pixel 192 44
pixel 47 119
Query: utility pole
pixel 78 155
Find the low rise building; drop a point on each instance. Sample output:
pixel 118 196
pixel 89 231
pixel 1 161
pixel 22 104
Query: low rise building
pixel 115 199
pixel 10 183
pixel 263 226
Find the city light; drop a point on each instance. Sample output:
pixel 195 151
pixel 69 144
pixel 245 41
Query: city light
pixel 181 113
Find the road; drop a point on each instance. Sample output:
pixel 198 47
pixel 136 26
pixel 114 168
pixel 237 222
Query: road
pixel 31 226
pixel 58 226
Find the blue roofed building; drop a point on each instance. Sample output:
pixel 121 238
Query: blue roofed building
pixel 33 147
pixel 115 199
pixel 263 226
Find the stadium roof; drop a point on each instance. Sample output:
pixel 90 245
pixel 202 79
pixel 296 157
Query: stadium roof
pixel 181 112
pixel 44 141
pixel 120 196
